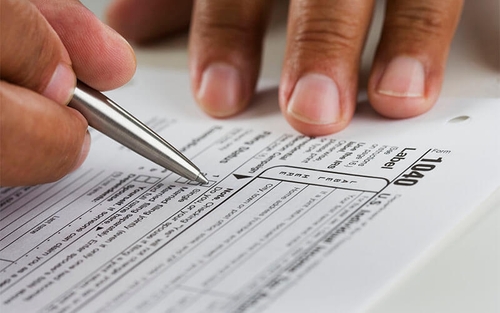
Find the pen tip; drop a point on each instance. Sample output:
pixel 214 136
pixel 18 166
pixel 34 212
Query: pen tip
pixel 202 179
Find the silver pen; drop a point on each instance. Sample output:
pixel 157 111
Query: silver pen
pixel 113 121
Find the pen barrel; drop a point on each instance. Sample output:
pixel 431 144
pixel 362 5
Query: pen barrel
pixel 113 121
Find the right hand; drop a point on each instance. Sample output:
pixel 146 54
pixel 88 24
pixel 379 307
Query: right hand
pixel 44 46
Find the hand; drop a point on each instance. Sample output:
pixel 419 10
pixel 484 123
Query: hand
pixel 45 45
pixel 325 38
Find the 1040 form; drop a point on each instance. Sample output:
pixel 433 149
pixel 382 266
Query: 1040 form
pixel 287 223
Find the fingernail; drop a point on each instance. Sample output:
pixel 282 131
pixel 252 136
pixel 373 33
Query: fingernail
pixel 403 77
pixel 83 152
pixel 221 90
pixel 62 84
pixel 315 100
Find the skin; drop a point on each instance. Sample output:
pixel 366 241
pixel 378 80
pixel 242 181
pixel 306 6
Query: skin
pixel 41 139
pixel 324 43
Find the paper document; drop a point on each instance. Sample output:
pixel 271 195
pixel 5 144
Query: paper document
pixel 287 223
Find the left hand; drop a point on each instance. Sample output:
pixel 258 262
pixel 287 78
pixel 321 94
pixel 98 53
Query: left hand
pixel 324 42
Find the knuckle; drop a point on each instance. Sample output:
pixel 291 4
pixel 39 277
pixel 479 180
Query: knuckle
pixel 424 19
pixel 67 156
pixel 230 36
pixel 229 28
pixel 231 25
pixel 327 35
pixel 74 138
pixel 64 150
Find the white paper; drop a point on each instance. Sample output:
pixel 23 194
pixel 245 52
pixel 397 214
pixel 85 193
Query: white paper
pixel 287 223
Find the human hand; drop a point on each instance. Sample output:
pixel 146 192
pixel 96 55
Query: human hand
pixel 45 45
pixel 319 80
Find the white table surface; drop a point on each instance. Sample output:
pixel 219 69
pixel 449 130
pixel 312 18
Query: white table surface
pixel 462 274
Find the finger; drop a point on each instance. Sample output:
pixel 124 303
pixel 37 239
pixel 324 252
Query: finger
pixel 141 21
pixel 319 80
pixel 40 141
pixel 407 72
pixel 101 57
pixel 32 55
pixel 225 52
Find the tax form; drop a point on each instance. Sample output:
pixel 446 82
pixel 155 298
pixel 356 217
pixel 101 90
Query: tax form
pixel 287 223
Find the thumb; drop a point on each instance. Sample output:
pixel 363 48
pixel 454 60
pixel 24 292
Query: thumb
pixel 32 55
pixel 100 57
